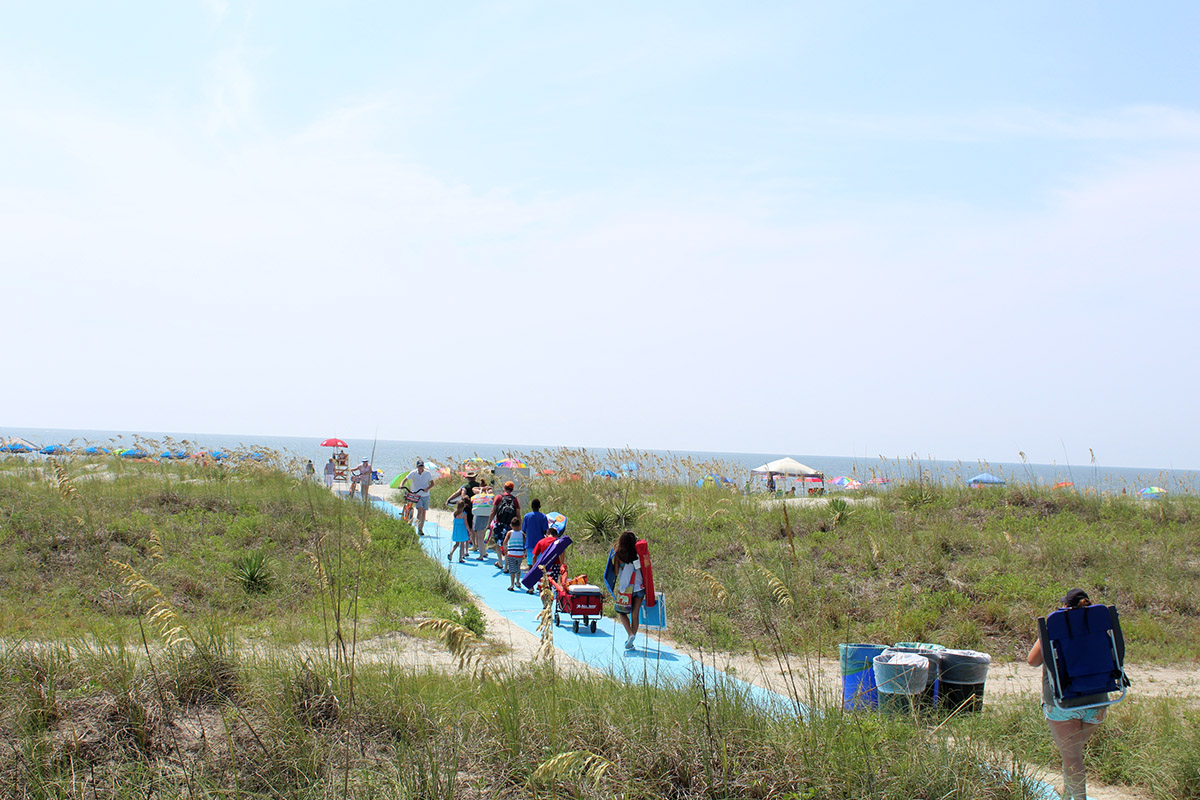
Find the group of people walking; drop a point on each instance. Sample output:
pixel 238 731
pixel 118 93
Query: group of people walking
pixel 484 520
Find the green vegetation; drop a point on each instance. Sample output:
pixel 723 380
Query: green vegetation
pixel 192 630
pixel 969 568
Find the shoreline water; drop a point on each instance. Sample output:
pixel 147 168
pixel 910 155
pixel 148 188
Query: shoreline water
pixel 392 457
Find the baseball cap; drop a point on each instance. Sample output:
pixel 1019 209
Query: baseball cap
pixel 420 463
pixel 1072 598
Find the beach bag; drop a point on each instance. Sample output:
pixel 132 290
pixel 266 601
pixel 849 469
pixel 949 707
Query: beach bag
pixel 506 509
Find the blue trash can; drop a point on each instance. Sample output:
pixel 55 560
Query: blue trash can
pixel 858 676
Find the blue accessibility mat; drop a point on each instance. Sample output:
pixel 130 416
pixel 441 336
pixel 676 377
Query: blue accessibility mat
pixel 650 662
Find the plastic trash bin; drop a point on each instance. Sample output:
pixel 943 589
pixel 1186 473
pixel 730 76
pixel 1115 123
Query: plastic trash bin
pixel 964 675
pixel 928 698
pixel 858 676
pixel 900 678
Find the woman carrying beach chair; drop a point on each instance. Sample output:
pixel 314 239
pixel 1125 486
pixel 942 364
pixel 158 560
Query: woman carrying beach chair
pixel 1081 652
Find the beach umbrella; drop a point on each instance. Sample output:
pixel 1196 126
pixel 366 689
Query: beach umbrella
pixel 879 481
pixel 173 454
pixel 96 450
pixel 18 446
pixel 985 479
pixel 133 452
pixel 631 466
pixel 605 473
pixel 1152 492
pixel 1063 484
pixel 54 450
pixel 547 472
pixel 513 463
pixel 846 482
pixel 399 479
pixel 334 443
pixel 219 454
pixel 255 456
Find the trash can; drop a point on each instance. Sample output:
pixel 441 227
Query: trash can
pixel 929 697
pixel 964 674
pixel 858 677
pixel 900 678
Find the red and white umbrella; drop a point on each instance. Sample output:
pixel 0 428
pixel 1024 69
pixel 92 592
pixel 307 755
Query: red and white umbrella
pixel 334 443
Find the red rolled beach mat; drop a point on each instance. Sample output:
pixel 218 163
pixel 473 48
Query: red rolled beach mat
pixel 643 551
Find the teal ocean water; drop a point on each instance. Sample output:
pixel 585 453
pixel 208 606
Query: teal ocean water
pixel 392 456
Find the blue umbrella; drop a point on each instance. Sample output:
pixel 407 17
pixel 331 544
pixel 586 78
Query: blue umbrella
pixel 255 456
pixel 54 450
pixel 219 454
pixel 16 447
pixel 985 479
pixel 134 452
pixel 173 454
pixel 605 473
pixel 95 450
pixel 632 466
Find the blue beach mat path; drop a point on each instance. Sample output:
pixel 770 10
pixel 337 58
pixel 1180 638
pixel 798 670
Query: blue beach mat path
pixel 650 662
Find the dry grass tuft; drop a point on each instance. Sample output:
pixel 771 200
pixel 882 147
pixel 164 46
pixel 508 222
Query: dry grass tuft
pixel 573 765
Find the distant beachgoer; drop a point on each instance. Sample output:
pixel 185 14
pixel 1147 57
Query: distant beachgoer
pixel 362 478
pixel 481 509
pixel 419 481
pixel 1071 728
pixel 505 509
pixel 535 526
pixel 467 490
pixel 460 535
pixel 330 470
pixel 514 553
pixel 310 471
pixel 629 591
pixel 554 570
pixel 771 482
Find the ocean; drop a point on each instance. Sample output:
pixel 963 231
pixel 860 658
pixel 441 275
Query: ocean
pixel 391 457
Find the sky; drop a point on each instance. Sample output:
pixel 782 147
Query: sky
pixel 859 229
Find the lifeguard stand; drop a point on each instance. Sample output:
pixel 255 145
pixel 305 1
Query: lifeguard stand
pixel 341 466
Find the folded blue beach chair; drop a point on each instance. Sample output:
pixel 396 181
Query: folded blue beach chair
pixel 1084 653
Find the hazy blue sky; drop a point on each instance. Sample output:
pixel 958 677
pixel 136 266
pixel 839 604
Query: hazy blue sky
pixel 838 228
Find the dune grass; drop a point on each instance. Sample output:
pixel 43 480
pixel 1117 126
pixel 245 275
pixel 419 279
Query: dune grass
pixel 969 568
pixel 190 680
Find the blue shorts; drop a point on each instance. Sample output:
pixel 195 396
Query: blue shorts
pixel 1092 716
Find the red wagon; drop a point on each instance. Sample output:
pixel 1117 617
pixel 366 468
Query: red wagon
pixel 582 602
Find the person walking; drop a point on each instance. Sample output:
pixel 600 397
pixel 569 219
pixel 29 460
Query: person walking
pixel 628 590
pixel 330 470
pixel 418 482
pixel 481 512
pixel 506 508
pixel 514 553
pixel 362 479
pixel 460 535
pixel 1071 728
pixel 535 526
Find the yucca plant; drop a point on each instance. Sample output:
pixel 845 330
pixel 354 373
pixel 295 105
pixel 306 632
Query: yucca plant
pixel 599 522
pixel 626 513
pixel 839 511
pixel 253 572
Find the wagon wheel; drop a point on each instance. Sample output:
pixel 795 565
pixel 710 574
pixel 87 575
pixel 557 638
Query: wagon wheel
pixel 593 626
pixel 575 627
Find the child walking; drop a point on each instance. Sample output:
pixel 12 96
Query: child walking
pixel 514 553
pixel 460 535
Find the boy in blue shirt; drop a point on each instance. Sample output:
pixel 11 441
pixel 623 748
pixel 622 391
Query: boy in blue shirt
pixel 535 526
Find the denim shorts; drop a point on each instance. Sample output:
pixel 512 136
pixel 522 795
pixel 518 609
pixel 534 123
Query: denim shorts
pixel 1092 716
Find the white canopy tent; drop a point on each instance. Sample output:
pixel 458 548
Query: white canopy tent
pixel 787 466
